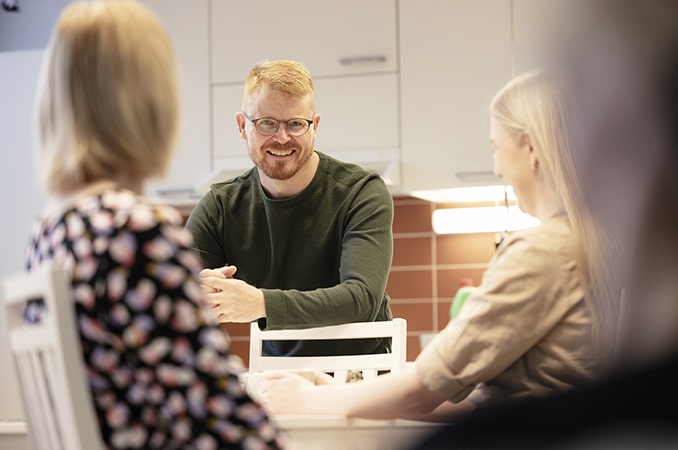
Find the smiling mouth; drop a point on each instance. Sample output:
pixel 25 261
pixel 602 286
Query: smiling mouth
pixel 280 153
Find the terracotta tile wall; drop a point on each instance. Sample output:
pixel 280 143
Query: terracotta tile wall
pixel 428 268
pixel 425 273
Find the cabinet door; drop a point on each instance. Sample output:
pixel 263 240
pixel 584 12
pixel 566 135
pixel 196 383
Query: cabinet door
pixel 454 56
pixel 359 121
pixel 330 37
pixel 187 25
pixel 228 145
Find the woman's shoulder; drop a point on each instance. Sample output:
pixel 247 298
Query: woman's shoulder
pixel 120 211
pixel 551 240
pixel 144 210
pixel 550 232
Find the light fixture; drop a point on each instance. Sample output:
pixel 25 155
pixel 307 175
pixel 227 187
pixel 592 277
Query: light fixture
pixel 484 219
pixel 472 194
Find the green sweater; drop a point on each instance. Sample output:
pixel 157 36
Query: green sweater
pixel 321 258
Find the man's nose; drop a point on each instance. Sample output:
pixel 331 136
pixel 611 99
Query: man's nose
pixel 281 134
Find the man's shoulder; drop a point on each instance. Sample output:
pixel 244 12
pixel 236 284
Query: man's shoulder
pixel 244 181
pixel 345 172
pixel 226 196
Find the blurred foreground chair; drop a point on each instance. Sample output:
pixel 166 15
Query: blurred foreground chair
pixel 369 365
pixel 48 363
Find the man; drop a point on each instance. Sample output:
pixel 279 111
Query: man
pixel 302 239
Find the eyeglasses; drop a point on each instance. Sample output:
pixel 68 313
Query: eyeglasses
pixel 268 127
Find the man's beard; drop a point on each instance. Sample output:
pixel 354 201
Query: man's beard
pixel 283 168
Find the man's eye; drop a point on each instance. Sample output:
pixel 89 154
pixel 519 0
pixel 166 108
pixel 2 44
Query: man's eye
pixel 267 123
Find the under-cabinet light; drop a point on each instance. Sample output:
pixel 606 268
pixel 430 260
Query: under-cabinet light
pixel 474 194
pixel 487 219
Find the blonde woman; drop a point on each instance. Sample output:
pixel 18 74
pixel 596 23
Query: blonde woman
pixel 526 331
pixel 159 368
pixel 624 102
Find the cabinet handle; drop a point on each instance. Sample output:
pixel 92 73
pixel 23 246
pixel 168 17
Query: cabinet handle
pixel 347 61
pixel 175 191
pixel 480 175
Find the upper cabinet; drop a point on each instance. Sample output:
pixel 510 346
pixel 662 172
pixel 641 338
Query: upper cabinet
pixel 350 49
pixel 454 56
pixel 332 38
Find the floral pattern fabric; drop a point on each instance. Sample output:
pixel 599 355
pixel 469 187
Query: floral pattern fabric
pixel 159 367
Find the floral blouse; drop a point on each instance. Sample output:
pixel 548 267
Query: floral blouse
pixel 158 365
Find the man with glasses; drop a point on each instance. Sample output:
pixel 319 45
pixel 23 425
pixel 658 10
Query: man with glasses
pixel 301 239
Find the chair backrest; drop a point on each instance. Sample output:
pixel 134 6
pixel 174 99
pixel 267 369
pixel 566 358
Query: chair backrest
pixel 47 358
pixel 369 365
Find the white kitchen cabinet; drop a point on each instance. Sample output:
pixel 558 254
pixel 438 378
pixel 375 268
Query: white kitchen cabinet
pixel 330 37
pixel 187 24
pixel 454 56
pixel 350 49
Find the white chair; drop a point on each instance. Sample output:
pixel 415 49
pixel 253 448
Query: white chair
pixel 48 362
pixel 370 365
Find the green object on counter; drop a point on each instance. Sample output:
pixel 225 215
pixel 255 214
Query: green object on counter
pixel 459 298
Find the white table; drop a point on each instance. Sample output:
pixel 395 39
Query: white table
pixel 305 433
pixel 325 432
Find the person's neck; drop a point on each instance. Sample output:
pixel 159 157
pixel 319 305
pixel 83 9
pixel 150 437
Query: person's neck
pixel 92 188
pixel 281 189
pixel 549 211
pixel 545 204
pixel 57 203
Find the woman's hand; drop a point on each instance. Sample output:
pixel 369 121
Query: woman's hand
pixel 286 393
pixel 323 378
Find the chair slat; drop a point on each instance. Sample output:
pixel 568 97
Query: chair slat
pixel 35 414
pixel 369 364
pixel 45 402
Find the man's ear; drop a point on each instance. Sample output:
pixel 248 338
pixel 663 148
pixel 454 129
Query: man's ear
pixel 240 122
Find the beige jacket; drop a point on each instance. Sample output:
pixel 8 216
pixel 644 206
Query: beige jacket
pixel 524 331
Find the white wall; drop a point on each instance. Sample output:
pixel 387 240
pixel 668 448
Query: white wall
pixel 30 28
pixel 20 197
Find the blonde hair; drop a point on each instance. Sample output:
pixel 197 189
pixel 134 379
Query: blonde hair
pixel 107 103
pixel 533 104
pixel 289 77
